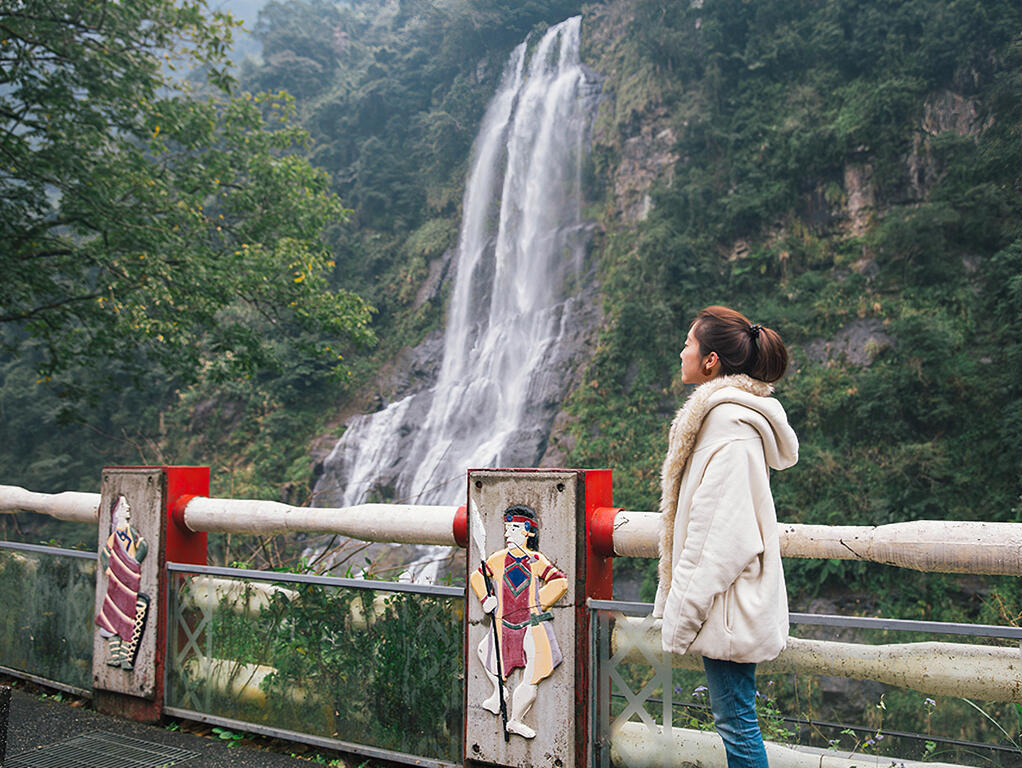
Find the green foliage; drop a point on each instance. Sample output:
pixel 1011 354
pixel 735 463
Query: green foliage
pixel 230 737
pixel 369 667
pixel 397 676
pixel 152 234
pixel 771 718
pixel 392 98
pixel 882 715
pixel 163 252
pixel 784 112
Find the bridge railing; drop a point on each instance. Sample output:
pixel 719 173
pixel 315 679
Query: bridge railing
pixel 846 691
pixel 229 685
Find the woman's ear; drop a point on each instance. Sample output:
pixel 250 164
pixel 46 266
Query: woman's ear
pixel 711 364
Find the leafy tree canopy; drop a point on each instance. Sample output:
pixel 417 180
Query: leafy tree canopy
pixel 148 229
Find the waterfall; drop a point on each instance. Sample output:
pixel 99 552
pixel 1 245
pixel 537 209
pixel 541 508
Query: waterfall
pixel 512 306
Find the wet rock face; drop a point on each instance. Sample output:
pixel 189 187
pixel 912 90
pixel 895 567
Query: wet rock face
pixel 861 198
pixel 432 286
pixel 944 112
pixel 858 343
pixel 633 130
pixel 647 158
pixel 948 111
pixel 414 370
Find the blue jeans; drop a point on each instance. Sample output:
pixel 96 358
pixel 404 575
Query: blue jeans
pixel 733 703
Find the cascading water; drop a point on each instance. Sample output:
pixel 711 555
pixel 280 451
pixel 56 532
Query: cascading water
pixel 518 260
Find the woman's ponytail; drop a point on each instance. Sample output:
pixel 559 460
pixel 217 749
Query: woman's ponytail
pixel 741 346
pixel 771 356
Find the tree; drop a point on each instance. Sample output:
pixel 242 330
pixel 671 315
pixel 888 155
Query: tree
pixel 146 229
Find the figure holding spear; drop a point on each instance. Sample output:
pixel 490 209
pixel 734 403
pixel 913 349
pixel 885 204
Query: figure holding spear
pixel 517 586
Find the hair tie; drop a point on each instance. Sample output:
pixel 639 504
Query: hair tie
pixel 754 330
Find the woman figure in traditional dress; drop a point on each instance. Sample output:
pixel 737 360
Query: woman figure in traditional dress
pixel 122 616
pixel 526 584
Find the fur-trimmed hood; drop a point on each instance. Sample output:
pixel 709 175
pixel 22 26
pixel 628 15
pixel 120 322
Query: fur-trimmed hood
pixel 780 445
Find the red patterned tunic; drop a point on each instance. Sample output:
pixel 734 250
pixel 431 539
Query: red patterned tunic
pixel 528 585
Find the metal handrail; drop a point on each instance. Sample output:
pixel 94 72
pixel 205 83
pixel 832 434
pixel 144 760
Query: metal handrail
pixel 329 581
pixel 850 622
pixel 44 549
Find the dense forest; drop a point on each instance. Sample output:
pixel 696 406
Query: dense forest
pixel 845 172
pixel 848 174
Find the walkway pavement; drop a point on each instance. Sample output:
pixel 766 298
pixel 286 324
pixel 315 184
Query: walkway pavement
pixel 40 727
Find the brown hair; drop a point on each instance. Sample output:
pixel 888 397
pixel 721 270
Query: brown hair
pixel 741 346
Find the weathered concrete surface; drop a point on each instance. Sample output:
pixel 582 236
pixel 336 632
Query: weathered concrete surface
pixel 554 498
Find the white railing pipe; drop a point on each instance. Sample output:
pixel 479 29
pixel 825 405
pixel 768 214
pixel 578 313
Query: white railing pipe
pixel 250 598
pixel 636 534
pixel 242 682
pixel 398 523
pixel 636 745
pixel 73 506
pixel 924 545
pixel 935 546
pixel 986 672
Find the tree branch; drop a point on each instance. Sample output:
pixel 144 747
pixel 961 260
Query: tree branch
pixel 48 254
pixel 41 310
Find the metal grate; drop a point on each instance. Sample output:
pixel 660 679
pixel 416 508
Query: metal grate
pixel 102 750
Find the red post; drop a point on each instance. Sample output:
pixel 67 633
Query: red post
pixel 460 526
pixel 599 585
pixel 599 561
pixel 183 484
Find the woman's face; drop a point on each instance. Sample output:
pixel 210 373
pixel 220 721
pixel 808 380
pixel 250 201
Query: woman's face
pixel 695 368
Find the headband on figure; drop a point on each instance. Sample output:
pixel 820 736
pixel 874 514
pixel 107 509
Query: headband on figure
pixel 530 523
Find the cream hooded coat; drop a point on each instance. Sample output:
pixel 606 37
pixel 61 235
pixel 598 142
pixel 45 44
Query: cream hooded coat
pixel 722 591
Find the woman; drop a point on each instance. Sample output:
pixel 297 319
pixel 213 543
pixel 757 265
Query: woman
pixel 721 591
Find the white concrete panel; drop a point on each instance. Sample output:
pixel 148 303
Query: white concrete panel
pixel 555 497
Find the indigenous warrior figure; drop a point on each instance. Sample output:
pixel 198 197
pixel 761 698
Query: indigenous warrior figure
pixel 122 618
pixel 526 584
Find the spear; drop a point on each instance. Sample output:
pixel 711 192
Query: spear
pixel 479 540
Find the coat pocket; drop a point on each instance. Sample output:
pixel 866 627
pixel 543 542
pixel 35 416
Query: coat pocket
pixel 729 608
